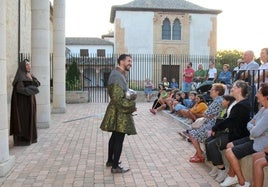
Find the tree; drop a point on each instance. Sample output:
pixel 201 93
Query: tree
pixel 228 57
pixel 73 77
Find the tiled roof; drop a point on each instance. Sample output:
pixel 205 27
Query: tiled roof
pixel 86 41
pixel 162 5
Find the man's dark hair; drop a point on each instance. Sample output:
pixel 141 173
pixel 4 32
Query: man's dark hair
pixel 26 60
pixel 122 57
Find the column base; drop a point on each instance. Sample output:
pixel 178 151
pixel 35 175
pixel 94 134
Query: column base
pixel 42 125
pixel 60 110
pixel 6 166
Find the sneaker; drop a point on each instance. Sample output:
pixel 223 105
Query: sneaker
pixel 228 181
pixel 214 171
pixel 222 174
pixel 180 118
pixel 247 184
pixel 184 119
pixel 189 121
pixel 119 170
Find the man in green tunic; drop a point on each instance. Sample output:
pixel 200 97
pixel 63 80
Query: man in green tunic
pixel 118 117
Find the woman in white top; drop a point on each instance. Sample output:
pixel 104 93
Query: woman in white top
pixel 212 72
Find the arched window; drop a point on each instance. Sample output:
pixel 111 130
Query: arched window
pixel 166 30
pixel 176 30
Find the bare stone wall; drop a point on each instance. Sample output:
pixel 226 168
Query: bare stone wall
pixel 12 43
pixel 76 96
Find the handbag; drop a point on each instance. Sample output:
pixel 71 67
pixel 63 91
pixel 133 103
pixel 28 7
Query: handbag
pixel 198 123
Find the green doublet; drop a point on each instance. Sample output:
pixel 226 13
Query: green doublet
pixel 118 115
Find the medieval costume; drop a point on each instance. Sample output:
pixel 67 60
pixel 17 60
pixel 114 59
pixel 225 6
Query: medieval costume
pixel 23 107
pixel 118 118
pixel 118 114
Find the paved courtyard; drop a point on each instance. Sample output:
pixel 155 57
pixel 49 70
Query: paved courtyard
pixel 73 152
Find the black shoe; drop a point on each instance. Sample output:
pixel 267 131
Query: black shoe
pixel 119 170
pixel 109 164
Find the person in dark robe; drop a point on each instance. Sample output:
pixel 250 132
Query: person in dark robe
pixel 23 106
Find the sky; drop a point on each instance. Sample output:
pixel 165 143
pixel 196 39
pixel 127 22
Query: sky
pixel 242 25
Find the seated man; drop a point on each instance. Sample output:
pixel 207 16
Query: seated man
pixel 199 76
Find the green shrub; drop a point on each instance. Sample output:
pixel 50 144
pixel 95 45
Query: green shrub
pixel 73 81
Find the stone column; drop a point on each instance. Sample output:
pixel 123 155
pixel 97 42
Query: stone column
pixel 59 104
pixel 6 161
pixel 40 58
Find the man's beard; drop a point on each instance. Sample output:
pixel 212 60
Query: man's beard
pixel 127 69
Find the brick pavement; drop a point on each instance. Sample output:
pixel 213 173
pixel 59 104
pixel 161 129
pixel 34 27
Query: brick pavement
pixel 74 153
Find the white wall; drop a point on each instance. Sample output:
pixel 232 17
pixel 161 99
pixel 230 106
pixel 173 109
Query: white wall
pixel 110 39
pixel 200 28
pixel 138 28
pixel 92 49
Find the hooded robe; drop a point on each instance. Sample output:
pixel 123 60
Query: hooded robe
pixel 23 107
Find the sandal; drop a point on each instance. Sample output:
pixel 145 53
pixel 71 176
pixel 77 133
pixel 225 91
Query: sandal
pixel 197 159
pixel 194 155
pixel 152 111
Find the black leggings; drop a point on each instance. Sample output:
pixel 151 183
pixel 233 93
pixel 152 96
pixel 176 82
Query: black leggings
pixel 115 147
pixel 214 146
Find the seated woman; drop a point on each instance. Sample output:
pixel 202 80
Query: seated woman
pixel 169 100
pixel 196 111
pixel 177 100
pixel 173 84
pixel 197 136
pixel 258 140
pixel 159 104
pixel 187 103
pixel 225 77
pixel 260 160
pixel 233 127
pixel 165 83
pixel 227 104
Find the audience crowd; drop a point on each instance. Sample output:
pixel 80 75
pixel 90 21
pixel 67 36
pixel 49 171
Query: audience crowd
pixel 229 114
